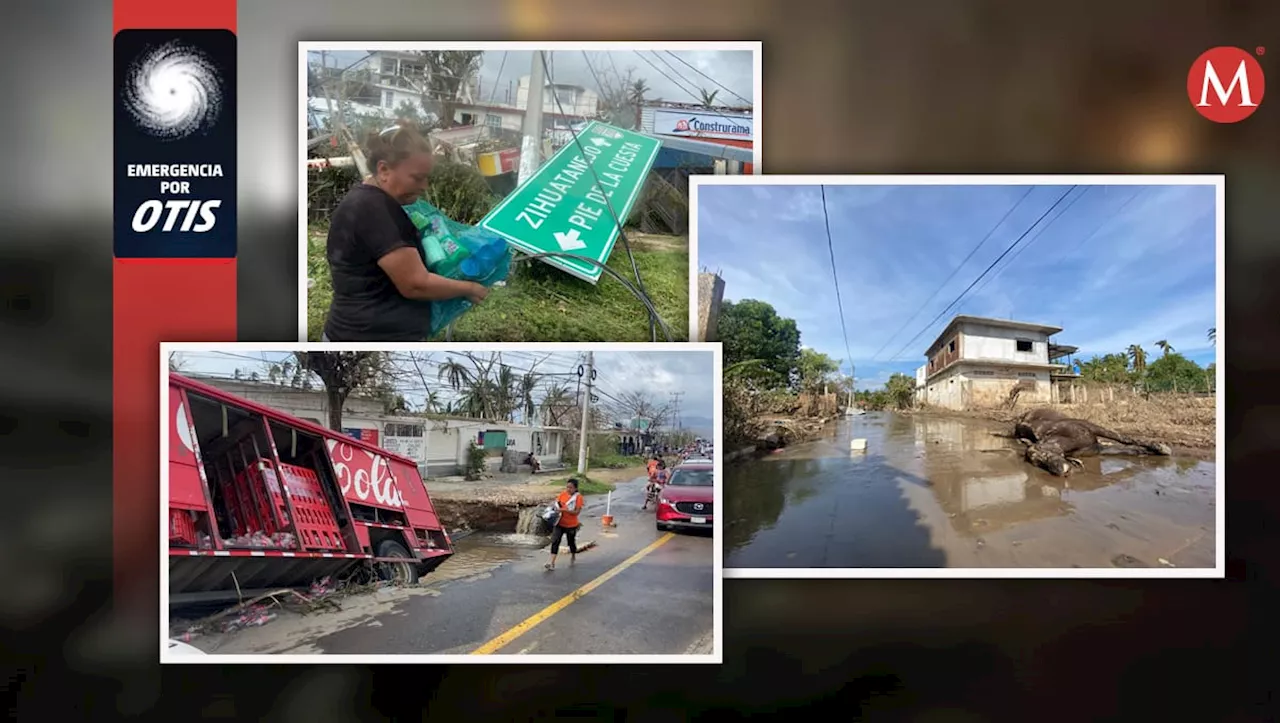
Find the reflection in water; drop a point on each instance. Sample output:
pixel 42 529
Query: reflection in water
pixel 483 552
pixel 821 504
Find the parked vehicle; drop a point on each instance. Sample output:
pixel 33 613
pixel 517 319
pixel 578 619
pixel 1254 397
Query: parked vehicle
pixel 686 500
pixel 260 500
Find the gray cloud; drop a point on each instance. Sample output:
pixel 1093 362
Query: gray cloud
pixel 667 77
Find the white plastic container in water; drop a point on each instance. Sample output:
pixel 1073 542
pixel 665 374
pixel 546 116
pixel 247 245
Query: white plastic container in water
pixel 858 445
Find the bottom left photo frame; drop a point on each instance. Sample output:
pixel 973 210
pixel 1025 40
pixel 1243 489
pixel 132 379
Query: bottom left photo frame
pixel 440 503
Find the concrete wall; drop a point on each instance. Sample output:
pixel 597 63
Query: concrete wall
pixel 944 390
pixel 710 295
pixel 997 343
pixel 990 387
pixel 438 445
pixel 968 387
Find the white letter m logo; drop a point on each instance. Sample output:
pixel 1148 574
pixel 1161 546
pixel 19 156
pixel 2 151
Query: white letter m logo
pixel 1241 78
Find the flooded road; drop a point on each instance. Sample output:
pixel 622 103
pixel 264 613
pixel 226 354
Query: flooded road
pixel 946 492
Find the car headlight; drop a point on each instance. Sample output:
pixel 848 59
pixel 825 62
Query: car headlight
pixel 667 502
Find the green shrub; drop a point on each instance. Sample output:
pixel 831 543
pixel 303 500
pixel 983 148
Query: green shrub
pixel 476 458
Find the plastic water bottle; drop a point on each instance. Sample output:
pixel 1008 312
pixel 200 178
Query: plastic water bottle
pixel 434 250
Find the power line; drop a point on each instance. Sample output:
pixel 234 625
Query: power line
pixel 984 273
pixel 600 86
pixel 498 81
pixel 654 319
pixel 678 74
pixel 831 249
pixel 1030 241
pixel 713 80
pixel 955 271
pixel 695 96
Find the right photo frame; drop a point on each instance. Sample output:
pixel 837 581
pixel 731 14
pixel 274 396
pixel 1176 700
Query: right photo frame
pixel 967 376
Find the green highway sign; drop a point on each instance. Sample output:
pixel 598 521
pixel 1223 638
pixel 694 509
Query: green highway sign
pixel 563 209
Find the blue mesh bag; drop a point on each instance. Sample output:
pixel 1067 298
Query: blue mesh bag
pixel 457 251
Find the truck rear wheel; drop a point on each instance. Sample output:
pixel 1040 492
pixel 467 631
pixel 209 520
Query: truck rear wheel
pixel 403 573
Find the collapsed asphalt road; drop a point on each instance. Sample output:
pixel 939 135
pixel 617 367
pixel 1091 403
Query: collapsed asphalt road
pixel 638 591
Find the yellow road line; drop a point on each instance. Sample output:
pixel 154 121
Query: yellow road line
pixel 564 602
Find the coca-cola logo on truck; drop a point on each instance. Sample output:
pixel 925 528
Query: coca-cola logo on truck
pixel 363 475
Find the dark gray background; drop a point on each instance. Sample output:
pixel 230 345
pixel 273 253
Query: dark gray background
pixel 849 86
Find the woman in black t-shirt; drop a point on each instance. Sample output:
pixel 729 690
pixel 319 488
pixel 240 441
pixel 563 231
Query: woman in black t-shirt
pixel 382 290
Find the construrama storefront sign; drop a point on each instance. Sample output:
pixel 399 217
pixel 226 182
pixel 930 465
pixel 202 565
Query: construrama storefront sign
pixel 694 124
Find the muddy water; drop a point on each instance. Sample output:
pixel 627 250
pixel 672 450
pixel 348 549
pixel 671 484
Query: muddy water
pixel 947 492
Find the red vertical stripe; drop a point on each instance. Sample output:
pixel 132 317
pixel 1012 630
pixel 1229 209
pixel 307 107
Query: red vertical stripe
pixel 153 301
pixel 174 15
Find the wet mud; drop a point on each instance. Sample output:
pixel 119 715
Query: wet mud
pixel 950 492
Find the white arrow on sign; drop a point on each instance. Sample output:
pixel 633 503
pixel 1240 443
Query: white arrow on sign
pixel 570 241
pixel 600 142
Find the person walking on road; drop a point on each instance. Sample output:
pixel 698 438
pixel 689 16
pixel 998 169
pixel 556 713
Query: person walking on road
pixel 570 504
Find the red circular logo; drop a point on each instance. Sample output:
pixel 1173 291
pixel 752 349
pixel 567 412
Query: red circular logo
pixel 1226 84
pixel 682 126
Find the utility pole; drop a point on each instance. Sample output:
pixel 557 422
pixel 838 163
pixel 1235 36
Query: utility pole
pixel 531 147
pixel 852 385
pixel 586 414
pixel 675 403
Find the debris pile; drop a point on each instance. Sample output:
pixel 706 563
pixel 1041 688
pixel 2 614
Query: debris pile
pixel 323 594
pixel 261 541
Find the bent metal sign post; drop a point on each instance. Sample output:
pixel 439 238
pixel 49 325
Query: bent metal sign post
pixel 565 206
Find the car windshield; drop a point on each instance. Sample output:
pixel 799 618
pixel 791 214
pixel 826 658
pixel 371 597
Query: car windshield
pixel 692 478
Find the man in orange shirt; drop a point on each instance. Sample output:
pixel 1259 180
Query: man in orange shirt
pixel 570 504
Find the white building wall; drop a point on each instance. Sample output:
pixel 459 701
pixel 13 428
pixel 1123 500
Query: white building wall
pixel 497 118
pixel 582 102
pixel 992 343
pixel 944 390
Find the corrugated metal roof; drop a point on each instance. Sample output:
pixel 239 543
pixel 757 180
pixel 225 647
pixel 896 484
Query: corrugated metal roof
pixel 706 148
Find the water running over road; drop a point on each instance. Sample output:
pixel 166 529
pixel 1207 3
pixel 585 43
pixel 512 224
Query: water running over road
pixel 946 492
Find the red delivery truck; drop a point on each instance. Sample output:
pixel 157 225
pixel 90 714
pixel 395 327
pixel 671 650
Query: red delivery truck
pixel 261 500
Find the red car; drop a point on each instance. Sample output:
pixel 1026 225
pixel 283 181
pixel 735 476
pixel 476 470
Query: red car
pixel 686 499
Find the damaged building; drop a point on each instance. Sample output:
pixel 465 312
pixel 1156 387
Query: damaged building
pixel 980 362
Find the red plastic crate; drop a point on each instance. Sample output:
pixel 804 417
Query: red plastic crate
pixel 253 489
pixel 182 528
pixel 317 526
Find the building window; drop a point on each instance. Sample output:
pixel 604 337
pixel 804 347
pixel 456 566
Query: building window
pixel 1024 345
pixel 389 66
pixel 388 99
pixel 951 347
pixel 403 430
pixel 493 121
pixel 1027 374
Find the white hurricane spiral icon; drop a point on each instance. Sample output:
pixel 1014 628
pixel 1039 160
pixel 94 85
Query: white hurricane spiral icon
pixel 173 91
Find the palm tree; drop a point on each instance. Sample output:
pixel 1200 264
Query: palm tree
pixel 1164 346
pixel 638 91
pixel 1138 356
pixel 431 401
pixel 557 400
pixel 708 97
pixel 1213 335
pixel 527 384
pixel 455 374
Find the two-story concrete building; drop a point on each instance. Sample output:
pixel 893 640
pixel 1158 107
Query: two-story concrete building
pixel 979 362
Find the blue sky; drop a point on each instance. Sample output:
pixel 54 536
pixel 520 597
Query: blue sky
pixel 1111 265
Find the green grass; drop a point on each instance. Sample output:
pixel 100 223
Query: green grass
pixel 540 303
pixel 586 485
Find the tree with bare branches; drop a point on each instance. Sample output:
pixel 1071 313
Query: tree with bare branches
pixel 344 373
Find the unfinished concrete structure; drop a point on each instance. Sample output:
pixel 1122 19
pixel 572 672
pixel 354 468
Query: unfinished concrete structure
pixel 710 296
pixel 979 362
